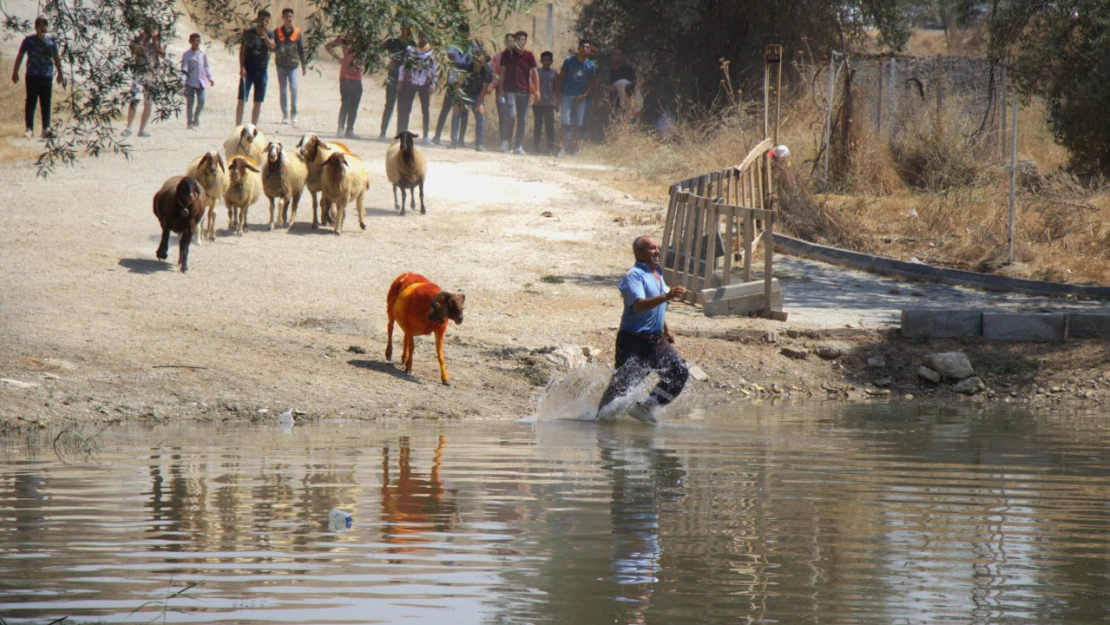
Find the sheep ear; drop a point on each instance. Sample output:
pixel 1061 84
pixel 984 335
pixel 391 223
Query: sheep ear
pixel 220 161
pixel 437 313
pixel 251 167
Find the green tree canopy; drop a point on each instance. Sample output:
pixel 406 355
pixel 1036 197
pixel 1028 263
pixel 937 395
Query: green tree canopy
pixel 1060 50
pixel 677 44
pixel 94 37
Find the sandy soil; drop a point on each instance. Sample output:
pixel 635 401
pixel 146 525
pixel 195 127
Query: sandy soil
pixel 93 328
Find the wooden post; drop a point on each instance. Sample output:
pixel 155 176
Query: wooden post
pixel 726 270
pixel 551 26
pixel 846 125
pixel 768 262
pixel 938 86
pixel 749 234
pixel 892 87
pixel 879 100
pixel 772 53
pixel 1002 109
pixel 1013 172
pixel 668 227
pixel 828 117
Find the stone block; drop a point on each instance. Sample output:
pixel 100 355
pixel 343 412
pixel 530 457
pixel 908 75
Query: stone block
pixel 941 324
pixel 1088 325
pixel 1025 327
pixel 739 299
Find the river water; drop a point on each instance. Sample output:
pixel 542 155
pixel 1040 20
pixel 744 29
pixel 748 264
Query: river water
pixel 821 513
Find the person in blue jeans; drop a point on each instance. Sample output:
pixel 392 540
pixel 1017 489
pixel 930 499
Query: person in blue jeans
pixel 577 80
pixel 42 60
pixel 255 47
pixel 476 86
pixel 519 81
pixel 288 57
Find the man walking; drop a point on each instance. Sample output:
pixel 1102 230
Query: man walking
pixel 518 80
pixel 146 56
pixel 396 47
pixel 288 55
pixel 576 81
pixel 254 61
pixel 644 342
pixel 42 59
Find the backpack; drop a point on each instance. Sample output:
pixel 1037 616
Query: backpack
pixel 285 52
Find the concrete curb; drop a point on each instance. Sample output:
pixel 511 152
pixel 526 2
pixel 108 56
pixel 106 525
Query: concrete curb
pixel 994 325
pixel 928 273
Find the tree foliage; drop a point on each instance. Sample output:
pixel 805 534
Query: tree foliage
pixel 677 45
pixel 94 38
pixel 1060 50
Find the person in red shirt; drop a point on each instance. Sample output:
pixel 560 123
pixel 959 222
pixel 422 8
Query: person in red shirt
pixel 350 86
pixel 519 79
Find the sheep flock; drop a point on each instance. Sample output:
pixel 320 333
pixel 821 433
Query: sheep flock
pixel 251 168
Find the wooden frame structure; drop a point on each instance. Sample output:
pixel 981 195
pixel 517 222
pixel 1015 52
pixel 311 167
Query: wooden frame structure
pixel 726 214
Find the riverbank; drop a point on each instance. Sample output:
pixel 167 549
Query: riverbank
pixel 93 329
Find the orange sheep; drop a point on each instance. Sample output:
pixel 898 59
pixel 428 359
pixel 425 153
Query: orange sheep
pixel 421 308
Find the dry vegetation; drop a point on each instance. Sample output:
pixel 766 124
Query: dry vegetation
pixel 936 195
pixel 12 98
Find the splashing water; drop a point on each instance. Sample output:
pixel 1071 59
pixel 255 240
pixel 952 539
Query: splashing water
pixel 577 394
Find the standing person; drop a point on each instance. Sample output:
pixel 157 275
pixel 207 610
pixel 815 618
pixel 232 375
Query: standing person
pixel 499 100
pixel 545 106
pixel 288 55
pixel 622 85
pixel 417 78
pixel 644 342
pixel 255 47
pixel 146 55
pixel 576 81
pixel 350 86
pixel 460 63
pixel 477 85
pixel 518 79
pixel 42 61
pixel 396 48
pixel 589 116
pixel 198 77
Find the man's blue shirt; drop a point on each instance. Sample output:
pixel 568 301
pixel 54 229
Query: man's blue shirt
pixel 578 75
pixel 640 283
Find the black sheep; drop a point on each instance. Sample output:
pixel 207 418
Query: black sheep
pixel 179 206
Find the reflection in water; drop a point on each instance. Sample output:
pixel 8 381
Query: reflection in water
pixel 411 505
pixel 822 514
pixel 644 478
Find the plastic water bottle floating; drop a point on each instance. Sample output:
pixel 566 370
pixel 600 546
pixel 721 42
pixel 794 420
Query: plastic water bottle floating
pixel 338 520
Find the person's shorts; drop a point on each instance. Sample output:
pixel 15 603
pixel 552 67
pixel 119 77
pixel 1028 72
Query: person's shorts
pixel 140 86
pixel 572 113
pixel 255 78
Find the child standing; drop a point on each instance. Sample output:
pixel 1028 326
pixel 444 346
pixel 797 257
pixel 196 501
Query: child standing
pixel 197 76
pixel 544 108
pixel 42 61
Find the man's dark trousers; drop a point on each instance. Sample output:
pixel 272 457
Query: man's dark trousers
pixel 637 356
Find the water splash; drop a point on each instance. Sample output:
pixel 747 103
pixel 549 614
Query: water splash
pixel 576 394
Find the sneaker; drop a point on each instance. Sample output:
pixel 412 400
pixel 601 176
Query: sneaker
pixel 126 132
pixel 350 135
pixel 30 133
pixel 561 154
pixel 504 146
pixel 435 141
pixel 144 133
pixel 643 411
pixel 452 146
pixel 427 141
pixel 479 148
pixel 339 133
pixel 294 120
pixel 381 137
pixel 284 120
pixel 519 151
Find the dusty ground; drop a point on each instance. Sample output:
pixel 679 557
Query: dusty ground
pixel 93 328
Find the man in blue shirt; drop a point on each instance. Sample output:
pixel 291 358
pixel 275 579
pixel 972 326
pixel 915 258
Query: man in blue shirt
pixel 576 82
pixel 644 342
pixel 42 59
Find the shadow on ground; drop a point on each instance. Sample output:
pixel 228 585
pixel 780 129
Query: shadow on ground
pixel 145 265
pixel 384 367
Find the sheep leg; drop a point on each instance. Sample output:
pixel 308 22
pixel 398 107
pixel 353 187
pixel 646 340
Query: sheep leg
pixel 340 215
pixel 183 250
pixel 272 202
pixel 439 356
pixel 410 347
pixel 395 206
pixel 164 246
pixel 315 222
pixel 285 202
pixel 293 211
pixel 210 227
pixel 412 199
pixel 389 336
pixel 361 212
pixel 402 201
pixel 422 211
pixel 232 217
pixel 242 220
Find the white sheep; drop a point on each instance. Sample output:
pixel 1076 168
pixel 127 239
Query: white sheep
pixel 244 190
pixel 209 170
pixel 406 169
pixel 245 140
pixel 283 177
pixel 344 179
pixel 316 153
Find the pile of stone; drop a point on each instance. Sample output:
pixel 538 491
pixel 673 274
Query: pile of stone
pixel 953 366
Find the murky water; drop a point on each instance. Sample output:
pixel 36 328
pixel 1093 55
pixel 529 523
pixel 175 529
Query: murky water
pixel 821 514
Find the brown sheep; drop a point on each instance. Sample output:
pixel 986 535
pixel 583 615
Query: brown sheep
pixel 179 206
pixel 406 168
pixel 209 170
pixel 315 152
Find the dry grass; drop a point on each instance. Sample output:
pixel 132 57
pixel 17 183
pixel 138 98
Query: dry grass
pixel 13 147
pixel 935 195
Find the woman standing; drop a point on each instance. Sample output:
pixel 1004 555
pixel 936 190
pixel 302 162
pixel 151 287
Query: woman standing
pixel 350 86
pixel 418 77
